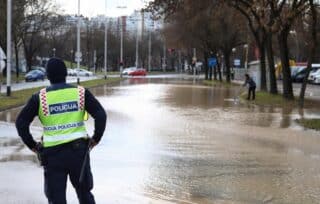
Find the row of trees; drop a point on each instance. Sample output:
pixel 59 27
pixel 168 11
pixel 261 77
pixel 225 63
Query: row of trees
pixel 218 26
pixel 39 30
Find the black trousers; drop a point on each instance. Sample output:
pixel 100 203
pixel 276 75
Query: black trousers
pixel 63 161
pixel 252 90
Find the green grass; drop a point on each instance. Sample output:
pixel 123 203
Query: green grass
pixel 13 78
pixel 108 73
pixel 98 82
pixel 265 98
pixel 73 65
pixel 20 97
pixel 310 123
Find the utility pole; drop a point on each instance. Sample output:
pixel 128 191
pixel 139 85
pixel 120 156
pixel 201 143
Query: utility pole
pixel 78 54
pixel 9 15
pixel 194 60
pixel 179 56
pixel 95 61
pixel 121 39
pixel 164 56
pixel 246 46
pixel 105 44
pixel 137 47
pixel 149 50
pixel 121 46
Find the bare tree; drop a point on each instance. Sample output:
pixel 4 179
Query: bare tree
pixel 35 24
pixel 313 20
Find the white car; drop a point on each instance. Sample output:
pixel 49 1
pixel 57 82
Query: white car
pixel 71 72
pixel 83 72
pixel 313 74
pixel 128 70
pixel 316 79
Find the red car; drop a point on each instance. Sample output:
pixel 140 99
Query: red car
pixel 138 72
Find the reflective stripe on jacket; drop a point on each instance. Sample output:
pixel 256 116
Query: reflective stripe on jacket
pixel 61 113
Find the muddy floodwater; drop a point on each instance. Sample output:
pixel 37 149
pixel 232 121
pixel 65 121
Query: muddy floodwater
pixel 177 141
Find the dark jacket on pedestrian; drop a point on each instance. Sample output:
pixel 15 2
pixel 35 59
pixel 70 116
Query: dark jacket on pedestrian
pixel 250 81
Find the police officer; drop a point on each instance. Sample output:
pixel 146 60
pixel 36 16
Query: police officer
pixel 61 109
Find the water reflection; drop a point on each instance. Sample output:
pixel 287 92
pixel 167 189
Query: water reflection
pixel 176 141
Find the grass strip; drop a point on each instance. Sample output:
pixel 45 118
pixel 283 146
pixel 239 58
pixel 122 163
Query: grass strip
pixel 20 97
pixel 310 123
pixel 264 98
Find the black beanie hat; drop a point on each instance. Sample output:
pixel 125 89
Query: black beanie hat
pixel 56 70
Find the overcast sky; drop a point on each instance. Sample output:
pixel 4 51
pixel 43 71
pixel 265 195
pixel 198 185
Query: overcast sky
pixel 96 7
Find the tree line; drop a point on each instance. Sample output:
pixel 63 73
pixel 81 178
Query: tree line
pixel 39 30
pixel 215 27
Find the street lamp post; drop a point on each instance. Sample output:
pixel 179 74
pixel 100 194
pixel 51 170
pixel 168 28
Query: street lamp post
pixel 121 39
pixel 106 44
pixel 293 32
pixel 246 47
pixel 149 49
pixel 137 47
pixel 164 63
pixel 121 46
pixel 234 54
pixel 71 58
pixel 54 52
pixel 9 16
pixel 194 61
pixel 78 54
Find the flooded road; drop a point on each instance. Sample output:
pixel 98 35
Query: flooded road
pixel 172 141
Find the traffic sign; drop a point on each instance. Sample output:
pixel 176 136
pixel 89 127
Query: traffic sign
pixel 76 59
pixel 78 54
pixel 212 62
pixel 237 62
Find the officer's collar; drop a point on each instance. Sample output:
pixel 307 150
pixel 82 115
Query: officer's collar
pixel 58 84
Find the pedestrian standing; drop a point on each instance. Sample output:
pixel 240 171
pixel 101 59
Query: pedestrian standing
pixel 252 87
pixel 61 109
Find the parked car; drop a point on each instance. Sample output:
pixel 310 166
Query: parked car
pixel 296 69
pixel 316 79
pixel 71 72
pixel 128 70
pixel 34 75
pixel 313 74
pixel 83 72
pixel 39 68
pixel 299 76
pixel 138 72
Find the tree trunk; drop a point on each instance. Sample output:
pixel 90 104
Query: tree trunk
pixel 28 61
pixel 227 61
pixel 272 74
pixel 312 52
pixel 263 78
pixel 219 71
pixel 215 72
pixel 206 67
pixel 284 55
